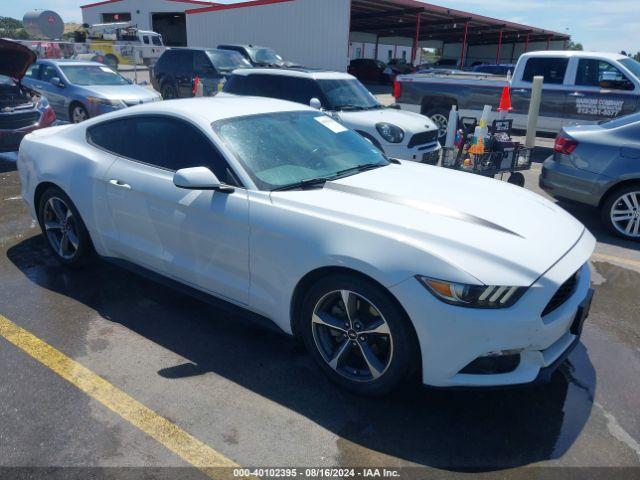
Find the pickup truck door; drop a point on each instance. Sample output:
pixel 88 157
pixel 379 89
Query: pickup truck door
pixel 554 92
pixel 600 91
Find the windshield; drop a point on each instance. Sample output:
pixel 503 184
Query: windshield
pixel 347 94
pixel 632 65
pixel 265 56
pixel 226 60
pixel 156 40
pixel 92 75
pixel 281 149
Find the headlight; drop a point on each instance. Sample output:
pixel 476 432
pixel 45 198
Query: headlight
pixel 472 296
pixel 391 133
pixel 106 101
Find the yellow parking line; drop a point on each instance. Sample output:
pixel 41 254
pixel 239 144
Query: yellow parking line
pixel 168 434
pixel 613 258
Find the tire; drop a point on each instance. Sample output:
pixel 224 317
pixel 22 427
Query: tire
pixel 440 117
pixel 58 217
pixel 626 223
pixel 168 91
pixel 340 349
pixel 516 178
pixel 78 113
pixel 111 60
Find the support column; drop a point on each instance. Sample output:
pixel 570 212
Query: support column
pixel 463 51
pixel 416 40
pixel 548 42
pixel 526 44
pixel 499 48
pixel 375 56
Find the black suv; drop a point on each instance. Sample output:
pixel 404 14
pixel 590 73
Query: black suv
pixel 175 72
pixel 259 56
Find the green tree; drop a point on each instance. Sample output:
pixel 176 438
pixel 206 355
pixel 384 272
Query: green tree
pixel 12 28
pixel 575 46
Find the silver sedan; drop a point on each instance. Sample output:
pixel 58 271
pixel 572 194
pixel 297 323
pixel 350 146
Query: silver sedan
pixel 599 165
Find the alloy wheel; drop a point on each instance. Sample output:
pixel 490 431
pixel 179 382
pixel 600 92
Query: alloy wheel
pixel 61 228
pixel 441 122
pixel 78 114
pixel 625 214
pixel 352 336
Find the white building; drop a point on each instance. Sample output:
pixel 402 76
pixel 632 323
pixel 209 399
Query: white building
pixel 329 33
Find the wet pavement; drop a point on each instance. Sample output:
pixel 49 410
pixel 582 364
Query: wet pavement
pixel 256 397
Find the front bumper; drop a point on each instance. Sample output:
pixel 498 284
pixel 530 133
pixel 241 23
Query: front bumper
pixel 452 337
pixel 429 153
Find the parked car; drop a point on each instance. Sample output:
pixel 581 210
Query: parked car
pixel 176 70
pixel 80 90
pixel 383 268
pixel 599 165
pixel 398 134
pixel 368 70
pixel 259 56
pixel 495 69
pixel 22 110
pixel 400 66
pixel 579 88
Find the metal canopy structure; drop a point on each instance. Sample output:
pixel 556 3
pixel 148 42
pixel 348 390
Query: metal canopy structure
pixel 424 22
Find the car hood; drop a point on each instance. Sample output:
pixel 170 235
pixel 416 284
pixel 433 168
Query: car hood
pixel 15 59
pixel 128 93
pixel 496 232
pixel 410 122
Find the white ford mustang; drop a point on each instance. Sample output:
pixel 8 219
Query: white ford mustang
pixel 384 268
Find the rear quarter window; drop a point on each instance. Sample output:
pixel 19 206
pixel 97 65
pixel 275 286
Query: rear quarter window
pixel 552 69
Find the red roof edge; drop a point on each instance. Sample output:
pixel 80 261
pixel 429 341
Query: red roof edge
pixel 97 4
pixel 253 3
pixel 194 2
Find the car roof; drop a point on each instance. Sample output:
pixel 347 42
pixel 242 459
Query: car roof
pixel 296 73
pixel 207 110
pixel 240 45
pixel 575 53
pixel 69 61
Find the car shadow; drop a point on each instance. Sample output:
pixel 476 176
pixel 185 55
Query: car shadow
pixel 8 162
pixel 452 430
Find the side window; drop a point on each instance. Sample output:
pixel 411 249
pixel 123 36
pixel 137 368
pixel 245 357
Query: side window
pixel 48 72
pixel 299 90
pixel 235 84
pixel 33 72
pixel 202 64
pixel 261 86
pixel 184 60
pixel 552 69
pixel 110 136
pixel 145 39
pixel 598 73
pixel 173 144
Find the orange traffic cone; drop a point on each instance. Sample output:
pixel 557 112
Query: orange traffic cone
pixel 505 101
pixel 196 81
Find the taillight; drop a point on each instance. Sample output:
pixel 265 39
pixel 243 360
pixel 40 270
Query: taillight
pixel 565 145
pixel 397 89
pixel 48 117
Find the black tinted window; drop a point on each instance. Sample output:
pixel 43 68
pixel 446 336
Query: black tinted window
pixel 183 60
pixel 299 90
pixel 552 69
pixel 596 73
pixel 201 63
pixel 160 141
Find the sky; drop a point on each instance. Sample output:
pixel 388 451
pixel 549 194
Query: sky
pixel 606 25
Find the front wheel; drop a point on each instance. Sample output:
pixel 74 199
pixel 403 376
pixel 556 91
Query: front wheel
pixel 358 335
pixel 621 212
pixel 78 113
pixel 63 229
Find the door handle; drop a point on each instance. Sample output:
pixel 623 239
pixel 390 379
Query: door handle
pixel 576 94
pixel 120 183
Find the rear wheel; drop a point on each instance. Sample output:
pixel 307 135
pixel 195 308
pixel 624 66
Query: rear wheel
pixel 621 212
pixel 357 334
pixel 168 91
pixel 62 227
pixel 440 117
pixel 78 113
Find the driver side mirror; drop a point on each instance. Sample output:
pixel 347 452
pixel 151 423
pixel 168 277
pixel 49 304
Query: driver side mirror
pixel 199 178
pixel 56 82
pixel 315 103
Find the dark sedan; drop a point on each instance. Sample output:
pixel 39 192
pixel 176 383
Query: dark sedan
pixel 599 165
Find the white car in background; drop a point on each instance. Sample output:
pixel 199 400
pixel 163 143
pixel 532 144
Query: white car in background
pixel 398 134
pixel 384 268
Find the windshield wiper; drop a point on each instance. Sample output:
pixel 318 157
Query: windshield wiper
pixel 311 182
pixel 358 169
pixel 350 107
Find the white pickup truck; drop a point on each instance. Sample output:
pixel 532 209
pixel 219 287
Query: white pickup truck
pixel 579 87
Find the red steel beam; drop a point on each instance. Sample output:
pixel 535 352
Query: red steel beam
pixel 499 49
pixel 464 44
pixel 416 40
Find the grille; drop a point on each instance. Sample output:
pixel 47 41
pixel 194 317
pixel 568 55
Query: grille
pixel 10 121
pixel 422 138
pixel 561 296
